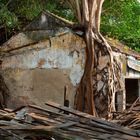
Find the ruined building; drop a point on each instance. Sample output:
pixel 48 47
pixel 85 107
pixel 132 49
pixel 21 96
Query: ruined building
pixel 46 56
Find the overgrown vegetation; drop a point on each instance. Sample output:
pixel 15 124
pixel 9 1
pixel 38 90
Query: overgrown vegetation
pixel 120 19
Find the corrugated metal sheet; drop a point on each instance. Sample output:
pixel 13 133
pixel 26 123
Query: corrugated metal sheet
pixel 133 64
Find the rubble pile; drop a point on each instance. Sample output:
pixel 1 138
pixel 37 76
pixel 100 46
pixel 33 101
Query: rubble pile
pixel 35 123
pixel 131 117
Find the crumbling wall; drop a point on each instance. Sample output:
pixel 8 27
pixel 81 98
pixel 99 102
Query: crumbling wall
pixel 39 62
pixel 36 73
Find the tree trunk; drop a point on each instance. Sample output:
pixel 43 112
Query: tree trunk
pixel 85 100
pixel 88 13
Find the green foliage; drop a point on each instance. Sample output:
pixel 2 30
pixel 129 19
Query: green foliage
pixel 60 8
pixel 7 18
pixel 120 19
pixel 28 8
pixel 17 13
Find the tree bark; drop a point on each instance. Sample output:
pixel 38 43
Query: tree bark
pixel 85 100
pixel 89 17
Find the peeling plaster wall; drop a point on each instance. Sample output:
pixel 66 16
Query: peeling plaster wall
pixel 39 72
pixel 46 56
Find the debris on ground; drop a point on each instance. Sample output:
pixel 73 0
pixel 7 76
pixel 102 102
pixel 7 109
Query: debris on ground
pixel 36 123
pixel 130 117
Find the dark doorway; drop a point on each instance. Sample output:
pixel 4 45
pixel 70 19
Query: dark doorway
pixel 132 91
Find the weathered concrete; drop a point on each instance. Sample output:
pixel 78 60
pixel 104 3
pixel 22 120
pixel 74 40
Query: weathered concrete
pixel 37 86
pixel 39 72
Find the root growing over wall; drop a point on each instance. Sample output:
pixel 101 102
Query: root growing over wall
pixel 88 13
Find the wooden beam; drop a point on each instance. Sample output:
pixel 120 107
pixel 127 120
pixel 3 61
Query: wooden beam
pixel 95 122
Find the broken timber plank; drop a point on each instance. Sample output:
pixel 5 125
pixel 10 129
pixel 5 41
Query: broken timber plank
pixel 45 110
pixel 96 122
pixel 78 113
pixel 42 118
pixel 70 110
pixel 38 127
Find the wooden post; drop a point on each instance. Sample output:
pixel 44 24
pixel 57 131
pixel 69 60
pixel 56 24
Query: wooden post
pixel 66 101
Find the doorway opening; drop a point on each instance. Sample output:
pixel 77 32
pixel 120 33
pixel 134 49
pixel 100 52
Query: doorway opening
pixel 132 91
